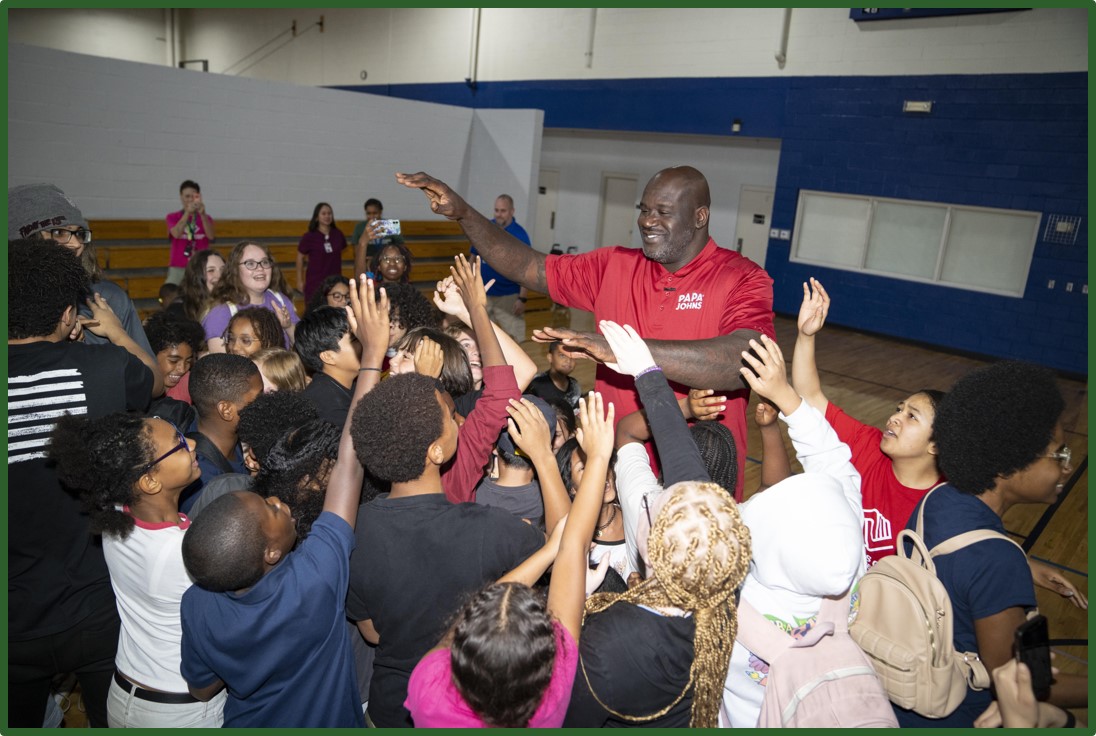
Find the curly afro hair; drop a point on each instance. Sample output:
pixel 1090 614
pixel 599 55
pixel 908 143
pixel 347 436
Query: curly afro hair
pixel 995 421
pixel 102 460
pixel 165 330
pixel 394 426
pixel 223 548
pixel 269 416
pixel 502 653
pixel 44 279
pixel 297 469
pixel 408 308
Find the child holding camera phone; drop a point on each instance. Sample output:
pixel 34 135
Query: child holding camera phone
pixel 370 236
pixel 190 230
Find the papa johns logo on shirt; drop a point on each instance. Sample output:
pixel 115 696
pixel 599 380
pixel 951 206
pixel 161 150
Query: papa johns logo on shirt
pixel 692 300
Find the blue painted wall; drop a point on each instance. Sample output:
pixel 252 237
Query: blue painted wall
pixel 1015 141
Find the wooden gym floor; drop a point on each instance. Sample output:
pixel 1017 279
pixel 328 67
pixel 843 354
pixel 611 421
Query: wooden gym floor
pixel 867 375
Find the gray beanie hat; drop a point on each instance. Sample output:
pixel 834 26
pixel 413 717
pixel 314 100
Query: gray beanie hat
pixel 34 207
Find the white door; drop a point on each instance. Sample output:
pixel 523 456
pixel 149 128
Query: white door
pixel 544 231
pixel 618 209
pixel 755 212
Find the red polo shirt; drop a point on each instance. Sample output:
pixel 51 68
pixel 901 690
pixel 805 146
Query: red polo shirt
pixel 715 294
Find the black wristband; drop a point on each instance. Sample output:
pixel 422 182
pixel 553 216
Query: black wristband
pixel 367 368
pixel 1071 720
pixel 523 299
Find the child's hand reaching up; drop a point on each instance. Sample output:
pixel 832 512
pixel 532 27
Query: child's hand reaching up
pixel 467 278
pixel 632 354
pixel 428 358
pixel 595 431
pixel 702 406
pixel 769 375
pixel 813 310
pixel 368 317
pixel 765 415
pixel 447 299
pixel 528 428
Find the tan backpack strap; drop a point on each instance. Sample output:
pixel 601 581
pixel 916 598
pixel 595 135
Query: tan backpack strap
pixel 920 528
pixel 966 539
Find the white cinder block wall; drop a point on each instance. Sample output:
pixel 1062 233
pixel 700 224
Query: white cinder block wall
pixel 424 45
pixel 130 133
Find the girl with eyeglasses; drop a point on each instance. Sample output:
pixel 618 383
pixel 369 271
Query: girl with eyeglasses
pixel 251 279
pixel 334 291
pixel 319 250
pixel 130 472
pixel 252 330
pixel 392 264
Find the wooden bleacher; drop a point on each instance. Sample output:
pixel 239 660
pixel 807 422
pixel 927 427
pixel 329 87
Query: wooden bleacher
pixel 134 254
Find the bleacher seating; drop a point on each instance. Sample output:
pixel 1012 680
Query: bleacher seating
pixel 134 254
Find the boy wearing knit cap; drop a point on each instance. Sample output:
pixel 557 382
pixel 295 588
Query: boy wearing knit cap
pixel 42 211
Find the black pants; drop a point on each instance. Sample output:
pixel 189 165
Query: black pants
pixel 87 650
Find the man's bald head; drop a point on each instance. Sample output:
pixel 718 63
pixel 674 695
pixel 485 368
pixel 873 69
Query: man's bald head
pixel 673 216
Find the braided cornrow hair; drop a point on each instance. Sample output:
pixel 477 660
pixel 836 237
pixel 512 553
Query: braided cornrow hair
pixel 700 551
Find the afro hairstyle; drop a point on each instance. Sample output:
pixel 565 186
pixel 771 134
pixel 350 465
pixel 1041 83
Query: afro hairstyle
pixel 44 279
pixel 408 308
pixel 269 416
pixel 395 424
pixel 223 548
pixel 219 377
pixel 165 330
pixel 102 460
pixel 995 421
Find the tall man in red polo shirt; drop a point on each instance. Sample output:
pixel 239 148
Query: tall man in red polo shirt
pixel 696 304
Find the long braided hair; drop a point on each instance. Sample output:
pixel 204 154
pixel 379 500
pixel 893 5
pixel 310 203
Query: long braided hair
pixel 699 551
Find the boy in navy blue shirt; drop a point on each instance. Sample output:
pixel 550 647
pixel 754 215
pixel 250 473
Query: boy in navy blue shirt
pixel 265 620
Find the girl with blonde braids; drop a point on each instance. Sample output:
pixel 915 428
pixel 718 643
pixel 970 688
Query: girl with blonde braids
pixel 658 654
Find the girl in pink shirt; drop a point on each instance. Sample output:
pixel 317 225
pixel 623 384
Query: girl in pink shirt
pixel 509 660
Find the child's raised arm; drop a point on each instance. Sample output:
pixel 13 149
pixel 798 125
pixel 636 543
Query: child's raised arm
pixel 467 278
pixel 567 591
pixel 812 315
pixel 774 456
pixel 369 320
pixel 680 457
pixel 447 298
pixel 530 432
pixel 769 376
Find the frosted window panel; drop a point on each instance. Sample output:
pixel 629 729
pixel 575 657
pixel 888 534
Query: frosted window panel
pixel 905 239
pixel 991 250
pixel 831 230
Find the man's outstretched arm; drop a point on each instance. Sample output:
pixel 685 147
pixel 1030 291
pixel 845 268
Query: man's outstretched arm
pixel 506 254
pixel 714 362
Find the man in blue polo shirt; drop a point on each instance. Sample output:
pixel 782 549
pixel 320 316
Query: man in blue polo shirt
pixel 506 299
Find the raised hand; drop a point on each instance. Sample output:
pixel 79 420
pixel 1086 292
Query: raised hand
pixel 282 313
pixel 632 356
pixel 703 406
pixel 528 428
pixel 428 358
pixel 595 426
pixel 443 200
pixel 467 278
pixel 769 375
pixel 766 414
pixel 368 315
pixel 813 310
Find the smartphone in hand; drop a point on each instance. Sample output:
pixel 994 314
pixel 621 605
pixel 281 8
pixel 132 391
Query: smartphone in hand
pixel 1032 647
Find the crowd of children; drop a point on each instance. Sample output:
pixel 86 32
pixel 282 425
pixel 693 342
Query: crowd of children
pixel 378 513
